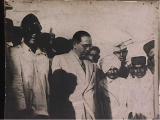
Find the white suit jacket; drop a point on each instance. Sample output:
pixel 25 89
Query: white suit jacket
pixel 82 98
pixel 29 87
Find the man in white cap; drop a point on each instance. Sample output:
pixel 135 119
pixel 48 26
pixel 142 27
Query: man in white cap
pixel 121 52
pixel 115 67
pixel 140 97
pixel 116 64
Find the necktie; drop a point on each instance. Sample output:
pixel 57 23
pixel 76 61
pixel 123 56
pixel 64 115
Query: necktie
pixel 83 66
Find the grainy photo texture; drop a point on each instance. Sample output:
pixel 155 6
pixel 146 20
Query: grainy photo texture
pixel 81 59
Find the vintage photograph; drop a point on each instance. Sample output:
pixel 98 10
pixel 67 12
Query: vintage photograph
pixel 76 59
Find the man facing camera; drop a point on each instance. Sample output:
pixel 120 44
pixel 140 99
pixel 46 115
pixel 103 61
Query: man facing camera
pixel 138 66
pixel 23 70
pixel 141 91
pixel 93 54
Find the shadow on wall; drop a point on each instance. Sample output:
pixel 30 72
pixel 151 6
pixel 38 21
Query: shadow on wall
pixel 62 86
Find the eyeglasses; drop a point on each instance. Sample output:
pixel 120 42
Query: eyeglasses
pixel 86 45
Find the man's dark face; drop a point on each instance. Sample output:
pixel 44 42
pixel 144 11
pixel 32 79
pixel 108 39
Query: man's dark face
pixel 93 56
pixel 31 33
pixel 121 54
pixel 45 43
pixel 35 27
pixel 84 46
pixel 112 73
pixel 138 70
pixel 46 47
pixel 32 43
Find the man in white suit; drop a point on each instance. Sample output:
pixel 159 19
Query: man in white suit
pixel 28 69
pixel 83 96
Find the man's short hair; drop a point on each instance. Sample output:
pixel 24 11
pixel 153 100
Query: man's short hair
pixel 77 36
pixel 95 48
pixel 28 21
pixel 44 40
pixel 62 45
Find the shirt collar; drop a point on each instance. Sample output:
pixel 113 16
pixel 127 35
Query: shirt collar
pixel 9 44
pixel 25 47
pixel 74 54
pixel 39 52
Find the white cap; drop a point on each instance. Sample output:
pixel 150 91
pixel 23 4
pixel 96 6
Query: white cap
pixel 122 45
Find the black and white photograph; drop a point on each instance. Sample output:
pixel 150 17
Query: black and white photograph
pixel 77 59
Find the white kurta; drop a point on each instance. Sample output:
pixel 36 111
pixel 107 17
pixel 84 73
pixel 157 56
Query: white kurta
pixel 29 73
pixel 130 94
pixel 141 95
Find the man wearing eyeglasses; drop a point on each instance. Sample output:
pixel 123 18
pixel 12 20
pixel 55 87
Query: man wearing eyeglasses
pixel 73 63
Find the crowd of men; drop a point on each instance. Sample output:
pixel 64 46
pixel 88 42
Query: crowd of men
pixel 42 81
pixel 52 77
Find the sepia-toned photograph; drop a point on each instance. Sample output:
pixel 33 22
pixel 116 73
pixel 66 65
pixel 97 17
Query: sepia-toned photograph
pixel 77 59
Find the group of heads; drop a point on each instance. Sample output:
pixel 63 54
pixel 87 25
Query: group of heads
pixel 32 36
pixel 81 42
pixel 139 64
pixel 30 30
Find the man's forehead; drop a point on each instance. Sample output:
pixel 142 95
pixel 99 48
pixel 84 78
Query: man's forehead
pixel 86 40
pixel 121 50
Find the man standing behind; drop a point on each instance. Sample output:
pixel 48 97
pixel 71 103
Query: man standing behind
pixel 115 68
pixel 41 83
pixel 22 70
pixel 149 50
pixel 82 98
